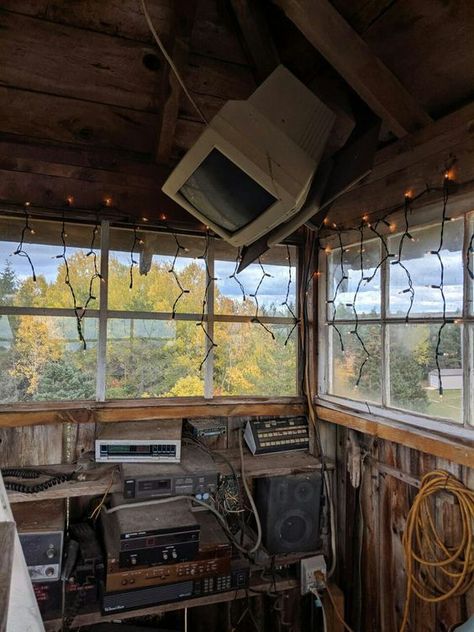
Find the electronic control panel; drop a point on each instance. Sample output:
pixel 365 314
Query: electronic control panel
pixel 277 435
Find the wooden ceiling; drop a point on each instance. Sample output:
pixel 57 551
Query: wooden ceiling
pixel 89 109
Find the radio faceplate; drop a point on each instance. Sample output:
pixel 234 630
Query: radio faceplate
pixel 196 475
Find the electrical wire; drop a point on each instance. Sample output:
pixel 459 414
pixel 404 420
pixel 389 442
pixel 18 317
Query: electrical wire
pixel 323 609
pixel 336 610
pixel 429 562
pixel 257 544
pixel 256 318
pixel 171 63
pixel 20 250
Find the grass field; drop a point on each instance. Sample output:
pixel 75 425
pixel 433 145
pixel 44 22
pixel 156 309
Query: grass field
pixel 449 406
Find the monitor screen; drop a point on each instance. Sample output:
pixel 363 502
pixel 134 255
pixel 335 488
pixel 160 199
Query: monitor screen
pixel 225 194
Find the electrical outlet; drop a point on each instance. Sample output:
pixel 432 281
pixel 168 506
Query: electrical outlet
pixel 313 574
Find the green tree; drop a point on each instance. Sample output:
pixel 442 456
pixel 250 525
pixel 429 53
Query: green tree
pixel 62 381
pixel 8 283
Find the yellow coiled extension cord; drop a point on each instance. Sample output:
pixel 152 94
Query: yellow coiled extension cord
pixel 436 572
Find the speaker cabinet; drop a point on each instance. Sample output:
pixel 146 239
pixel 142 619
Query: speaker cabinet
pixel 289 509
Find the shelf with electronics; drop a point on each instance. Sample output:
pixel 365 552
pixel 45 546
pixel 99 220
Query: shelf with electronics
pixel 98 479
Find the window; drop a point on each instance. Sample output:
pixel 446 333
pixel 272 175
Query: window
pixel 156 305
pixel 398 331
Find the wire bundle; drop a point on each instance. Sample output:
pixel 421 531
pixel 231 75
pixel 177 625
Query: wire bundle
pixel 30 474
pixel 436 572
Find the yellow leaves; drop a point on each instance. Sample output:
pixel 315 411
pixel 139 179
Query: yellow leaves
pixel 35 346
pixel 187 386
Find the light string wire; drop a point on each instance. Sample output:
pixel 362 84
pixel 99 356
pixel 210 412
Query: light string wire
pixel 79 311
pixel 470 257
pixel 137 241
pixel 210 279
pixel 20 250
pixel 333 299
pixel 172 270
pixel 440 287
pixel 234 276
pixel 296 320
pixel 256 318
pixel 374 228
pixel 398 262
pixel 95 274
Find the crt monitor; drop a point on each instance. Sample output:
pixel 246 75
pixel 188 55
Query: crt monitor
pixel 251 168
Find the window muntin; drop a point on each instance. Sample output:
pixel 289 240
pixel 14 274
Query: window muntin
pixel 141 341
pixel 408 369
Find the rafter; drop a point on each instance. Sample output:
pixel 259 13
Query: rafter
pixel 347 52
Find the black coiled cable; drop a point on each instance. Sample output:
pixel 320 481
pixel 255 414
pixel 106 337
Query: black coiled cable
pixel 23 488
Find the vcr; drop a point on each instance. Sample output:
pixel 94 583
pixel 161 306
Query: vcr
pixel 151 535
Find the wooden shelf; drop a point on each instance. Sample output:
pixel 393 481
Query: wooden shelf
pixel 96 617
pixel 105 477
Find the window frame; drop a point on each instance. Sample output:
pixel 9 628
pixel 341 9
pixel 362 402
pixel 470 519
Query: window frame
pixel 383 411
pixel 103 315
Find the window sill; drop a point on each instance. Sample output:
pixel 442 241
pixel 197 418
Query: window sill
pixel 453 448
pixel 37 413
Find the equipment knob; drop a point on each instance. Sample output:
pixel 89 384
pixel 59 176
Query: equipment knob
pixel 165 555
pixel 174 555
pixel 133 561
pixel 49 571
pixel 205 496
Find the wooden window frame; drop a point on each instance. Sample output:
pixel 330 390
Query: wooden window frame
pixel 382 412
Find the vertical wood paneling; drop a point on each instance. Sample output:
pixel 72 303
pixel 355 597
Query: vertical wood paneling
pixel 31 445
pixel 386 502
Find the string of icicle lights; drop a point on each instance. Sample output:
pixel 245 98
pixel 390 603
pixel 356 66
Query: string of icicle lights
pixel 395 259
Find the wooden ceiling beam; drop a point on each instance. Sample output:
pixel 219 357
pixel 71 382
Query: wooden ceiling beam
pixel 179 46
pixel 256 37
pixel 347 52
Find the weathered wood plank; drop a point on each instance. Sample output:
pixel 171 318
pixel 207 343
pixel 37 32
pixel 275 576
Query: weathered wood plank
pixel 170 87
pixel 86 412
pixel 325 28
pixel 462 453
pixel 122 18
pixel 256 36
pixel 32 445
pixel 66 120
pixel 437 70
pixel 410 164
pixel 67 61
pixel 7 540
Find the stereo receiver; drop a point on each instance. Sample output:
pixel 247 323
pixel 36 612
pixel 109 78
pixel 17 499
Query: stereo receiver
pixel 196 475
pixel 213 558
pixel 151 535
pixel 140 442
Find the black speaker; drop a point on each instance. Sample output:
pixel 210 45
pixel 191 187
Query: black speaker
pixel 289 508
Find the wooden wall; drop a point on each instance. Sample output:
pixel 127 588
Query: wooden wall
pixel 371 563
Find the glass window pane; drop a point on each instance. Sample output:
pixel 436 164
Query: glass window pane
pixel 42 359
pixel 249 362
pixel 158 285
pixel 414 379
pixel 272 291
pixel 42 245
pixel 470 265
pixel 154 358
pixel 356 362
pixel 344 280
pixel 425 271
